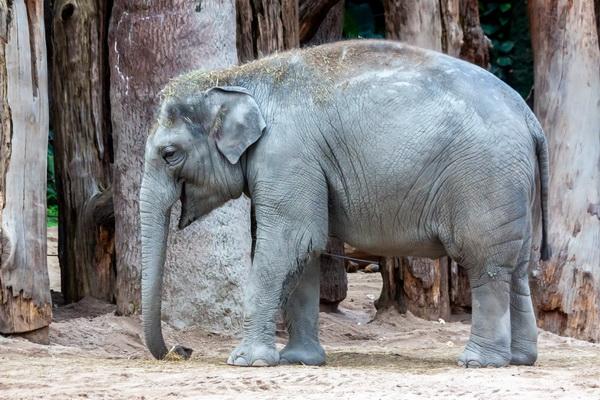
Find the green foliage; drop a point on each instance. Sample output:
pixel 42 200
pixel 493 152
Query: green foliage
pixel 364 19
pixel 52 216
pixel 506 24
pixel 51 194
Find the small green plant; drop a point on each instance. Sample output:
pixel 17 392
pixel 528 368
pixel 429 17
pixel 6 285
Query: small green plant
pixel 51 194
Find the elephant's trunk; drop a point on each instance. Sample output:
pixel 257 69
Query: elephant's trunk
pixel 155 216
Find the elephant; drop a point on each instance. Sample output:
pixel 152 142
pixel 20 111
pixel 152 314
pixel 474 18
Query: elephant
pixel 396 150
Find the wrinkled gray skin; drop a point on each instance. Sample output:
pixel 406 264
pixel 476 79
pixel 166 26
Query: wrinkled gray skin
pixel 393 149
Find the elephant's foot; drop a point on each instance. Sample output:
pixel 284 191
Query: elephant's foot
pixel 524 352
pixel 477 356
pixel 254 355
pixel 302 353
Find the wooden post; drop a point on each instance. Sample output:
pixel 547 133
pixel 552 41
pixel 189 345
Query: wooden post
pixel 566 288
pixel 83 149
pixel 25 303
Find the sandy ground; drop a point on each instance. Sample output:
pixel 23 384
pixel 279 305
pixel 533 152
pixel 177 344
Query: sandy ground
pixel 97 355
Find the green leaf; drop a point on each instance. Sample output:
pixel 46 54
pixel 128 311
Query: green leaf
pixel 505 47
pixel 504 61
pixel 489 8
pixel 489 29
pixel 504 7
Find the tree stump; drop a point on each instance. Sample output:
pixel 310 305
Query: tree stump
pixel 426 287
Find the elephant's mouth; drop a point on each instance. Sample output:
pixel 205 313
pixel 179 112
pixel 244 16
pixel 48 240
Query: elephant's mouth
pixel 191 208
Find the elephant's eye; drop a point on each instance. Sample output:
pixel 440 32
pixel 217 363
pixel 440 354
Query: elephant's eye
pixel 170 154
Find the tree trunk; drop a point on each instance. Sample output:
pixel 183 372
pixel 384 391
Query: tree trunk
pixel 426 286
pixel 334 282
pixel 567 102
pixel 392 292
pixel 324 15
pixel 415 22
pixel 475 45
pixel 207 261
pixel 450 26
pixel 25 303
pixel 266 26
pixel 329 29
pixel 460 289
pixel 83 148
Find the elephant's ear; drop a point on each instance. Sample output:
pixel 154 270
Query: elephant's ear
pixel 238 122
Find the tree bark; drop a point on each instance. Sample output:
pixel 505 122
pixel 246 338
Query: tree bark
pixel 460 289
pixel 25 303
pixel 334 282
pixel 426 287
pixel 415 22
pixel 449 26
pixel 327 30
pixel 207 261
pixel 392 292
pixel 312 16
pixel 475 45
pixel 452 27
pixel 567 102
pixel 83 148
pixel 266 26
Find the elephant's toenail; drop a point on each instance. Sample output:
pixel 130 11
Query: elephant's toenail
pixel 240 361
pixel 260 363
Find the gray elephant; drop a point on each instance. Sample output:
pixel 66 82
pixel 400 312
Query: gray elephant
pixel 393 149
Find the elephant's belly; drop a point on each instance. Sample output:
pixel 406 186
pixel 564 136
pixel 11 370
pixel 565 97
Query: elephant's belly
pixel 385 242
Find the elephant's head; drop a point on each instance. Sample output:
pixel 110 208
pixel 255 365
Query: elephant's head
pixel 193 154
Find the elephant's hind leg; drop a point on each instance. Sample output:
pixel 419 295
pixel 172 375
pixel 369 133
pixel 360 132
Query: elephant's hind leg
pixel 490 274
pixel 301 313
pixel 489 344
pixel 522 317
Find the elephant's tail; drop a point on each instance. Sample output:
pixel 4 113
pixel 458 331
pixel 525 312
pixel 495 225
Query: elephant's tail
pixel 541 150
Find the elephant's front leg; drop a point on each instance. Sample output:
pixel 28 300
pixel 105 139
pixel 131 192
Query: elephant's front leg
pixel 262 296
pixel 282 253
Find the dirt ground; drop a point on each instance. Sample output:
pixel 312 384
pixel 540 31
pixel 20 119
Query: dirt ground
pixel 96 355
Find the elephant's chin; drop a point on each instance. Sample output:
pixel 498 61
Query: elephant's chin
pixel 190 205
